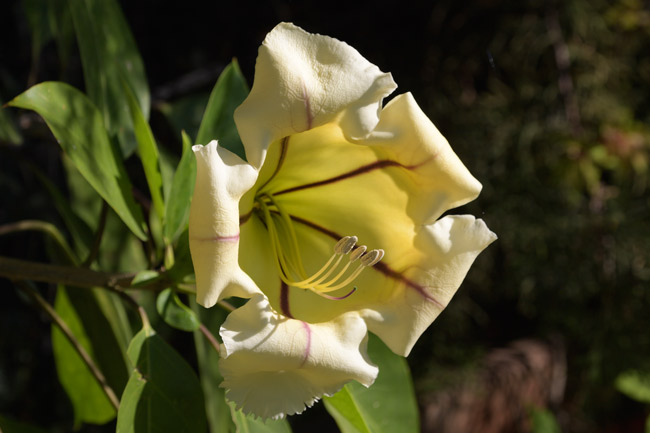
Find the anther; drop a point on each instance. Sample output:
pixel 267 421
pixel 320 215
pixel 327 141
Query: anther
pixel 372 257
pixel 358 252
pixel 345 245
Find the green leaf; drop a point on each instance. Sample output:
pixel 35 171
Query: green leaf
pixel 148 152
pixel 175 313
pixel 144 277
pixel 7 425
pixel 8 131
pixel 387 406
pixel 635 384
pixel 252 424
pixel 109 55
pixel 89 402
pixel 163 393
pixel 543 421
pixel 79 129
pixel 38 14
pixel 178 205
pixel 218 412
pixel 218 122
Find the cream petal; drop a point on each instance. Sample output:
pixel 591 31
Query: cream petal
pixel 275 366
pixel 439 178
pixel 305 80
pixel 221 179
pixel 448 248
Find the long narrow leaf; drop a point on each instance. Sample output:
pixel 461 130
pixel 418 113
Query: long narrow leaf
pixel 148 152
pixel 178 204
pixel 218 122
pixel 109 54
pixel 79 129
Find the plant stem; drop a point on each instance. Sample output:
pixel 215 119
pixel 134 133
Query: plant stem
pixel 226 305
pixel 45 227
pixel 94 250
pixel 16 269
pixel 211 338
pixel 94 370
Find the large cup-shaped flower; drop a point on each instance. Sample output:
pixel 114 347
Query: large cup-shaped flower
pixel 328 165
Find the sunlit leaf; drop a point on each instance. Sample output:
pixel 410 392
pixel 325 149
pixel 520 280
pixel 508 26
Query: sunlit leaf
pixel 148 152
pixel 109 55
pixel 252 424
pixel 175 313
pixel 218 122
pixel 89 401
pixel 387 406
pixel 635 384
pixel 163 393
pixel 78 127
pixel 178 205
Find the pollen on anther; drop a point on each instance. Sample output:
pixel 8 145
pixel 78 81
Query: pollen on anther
pixel 345 245
pixel 358 252
pixel 372 257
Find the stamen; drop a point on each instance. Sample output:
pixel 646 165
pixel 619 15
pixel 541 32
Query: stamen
pixel 335 298
pixel 358 253
pixel 345 245
pixel 372 258
pixel 288 258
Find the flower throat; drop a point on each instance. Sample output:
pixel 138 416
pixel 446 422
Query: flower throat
pixel 333 275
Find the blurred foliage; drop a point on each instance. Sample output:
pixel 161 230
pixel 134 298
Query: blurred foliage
pixel 546 102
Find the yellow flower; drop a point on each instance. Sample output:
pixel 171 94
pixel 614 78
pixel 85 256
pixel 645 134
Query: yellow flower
pixel 327 166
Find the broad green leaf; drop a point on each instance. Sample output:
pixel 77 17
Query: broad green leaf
pixel 178 204
pixel 387 406
pixel 89 402
pixel 635 384
pixel 148 152
pixel 218 412
pixel 175 313
pixel 7 425
pixel 163 393
pixel 109 55
pixel 218 122
pixel 252 424
pixel 79 129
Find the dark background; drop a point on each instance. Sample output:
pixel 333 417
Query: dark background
pixel 560 143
